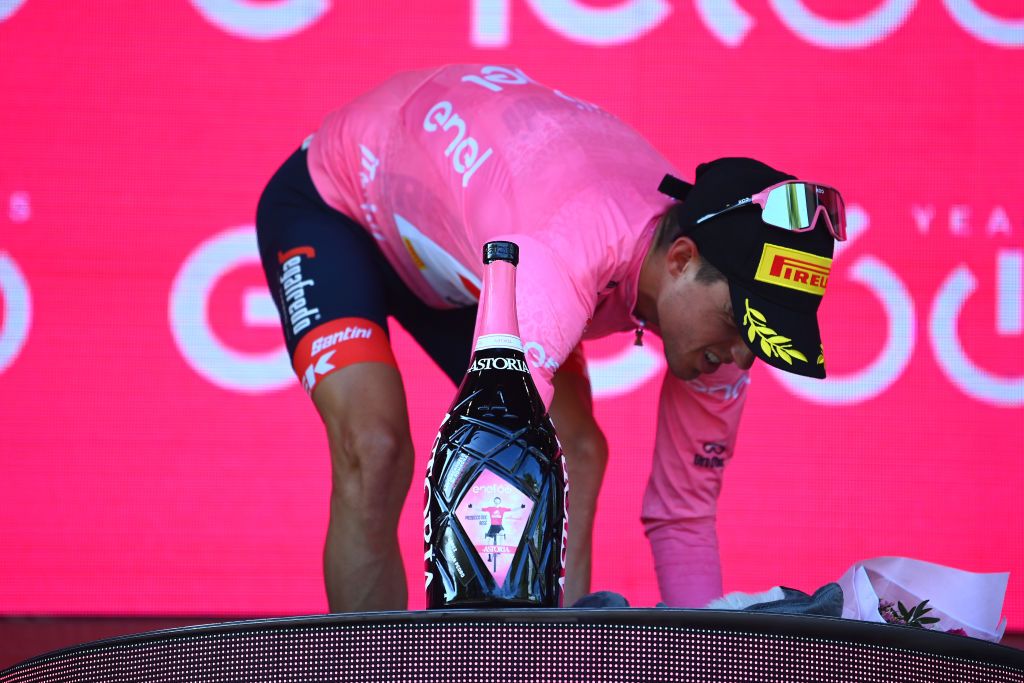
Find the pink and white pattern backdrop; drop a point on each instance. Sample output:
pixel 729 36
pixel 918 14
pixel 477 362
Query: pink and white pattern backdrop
pixel 157 455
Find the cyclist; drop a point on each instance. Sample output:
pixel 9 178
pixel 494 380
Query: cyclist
pixel 383 212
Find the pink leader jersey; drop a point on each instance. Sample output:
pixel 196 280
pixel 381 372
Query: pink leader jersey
pixel 435 163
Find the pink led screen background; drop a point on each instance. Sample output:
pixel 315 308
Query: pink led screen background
pixel 158 457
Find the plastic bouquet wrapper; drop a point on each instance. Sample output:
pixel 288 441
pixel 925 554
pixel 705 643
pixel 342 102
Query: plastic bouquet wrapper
pixel 901 590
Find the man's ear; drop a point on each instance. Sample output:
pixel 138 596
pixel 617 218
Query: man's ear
pixel 680 254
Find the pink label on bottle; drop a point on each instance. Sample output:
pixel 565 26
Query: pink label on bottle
pixel 494 514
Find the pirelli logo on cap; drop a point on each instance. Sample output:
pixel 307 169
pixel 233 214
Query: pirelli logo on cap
pixel 794 269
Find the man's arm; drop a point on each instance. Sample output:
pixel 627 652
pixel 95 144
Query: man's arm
pixel 586 456
pixel 697 427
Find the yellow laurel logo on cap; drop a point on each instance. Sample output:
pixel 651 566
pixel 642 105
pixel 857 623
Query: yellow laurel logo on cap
pixel 794 269
pixel 772 343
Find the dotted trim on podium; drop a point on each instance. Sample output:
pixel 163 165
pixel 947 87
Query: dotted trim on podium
pixel 499 651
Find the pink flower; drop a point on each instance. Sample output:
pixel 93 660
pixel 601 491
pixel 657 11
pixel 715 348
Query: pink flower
pixel 888 612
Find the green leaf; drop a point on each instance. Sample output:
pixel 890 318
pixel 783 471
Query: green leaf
pixel 766 348
pixel 757 315
pixel 766 331
pixel 783 355
pixel 797 354
pixel 751 333
pixel 904 612
pixel 929 620
pixel 779 339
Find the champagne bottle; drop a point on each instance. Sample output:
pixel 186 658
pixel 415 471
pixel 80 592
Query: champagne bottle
pixel 495 521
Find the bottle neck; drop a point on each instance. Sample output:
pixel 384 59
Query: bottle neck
pixel 497 325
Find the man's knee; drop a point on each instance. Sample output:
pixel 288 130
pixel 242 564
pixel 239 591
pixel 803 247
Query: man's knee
pixel 372 460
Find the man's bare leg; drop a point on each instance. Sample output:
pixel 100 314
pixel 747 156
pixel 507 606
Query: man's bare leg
pixel 364 410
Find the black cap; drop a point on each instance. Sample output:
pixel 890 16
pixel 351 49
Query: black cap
pixel 776 277
pixel 501 251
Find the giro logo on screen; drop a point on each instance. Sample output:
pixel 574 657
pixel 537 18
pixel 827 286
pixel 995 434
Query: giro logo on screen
pixel 189 315
pixel 263 20
pixel 9 7
pixel 16 311
pixel 626 22
pixel 731 24
pixel 620 23
pixel 943 316
pixel 954 359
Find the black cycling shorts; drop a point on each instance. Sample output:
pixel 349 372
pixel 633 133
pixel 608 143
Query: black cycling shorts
pixel 326 274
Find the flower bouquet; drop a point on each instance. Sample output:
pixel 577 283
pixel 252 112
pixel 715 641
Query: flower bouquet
pixel 940 598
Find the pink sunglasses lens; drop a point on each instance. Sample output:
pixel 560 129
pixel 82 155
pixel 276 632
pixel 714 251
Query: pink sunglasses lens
pixel 795 206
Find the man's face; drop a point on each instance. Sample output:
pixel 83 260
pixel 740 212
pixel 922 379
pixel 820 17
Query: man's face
pixel 696 322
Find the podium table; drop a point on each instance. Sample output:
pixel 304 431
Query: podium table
pixel 563 645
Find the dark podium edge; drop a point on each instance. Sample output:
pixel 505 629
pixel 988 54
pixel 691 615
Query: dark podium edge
pixel 741 623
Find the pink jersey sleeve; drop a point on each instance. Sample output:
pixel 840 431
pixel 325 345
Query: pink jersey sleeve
pixel 697 427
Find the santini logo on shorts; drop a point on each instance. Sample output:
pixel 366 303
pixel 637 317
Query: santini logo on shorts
pixel 337 344
pixel 794 269
pixel 350 332
pixel 321 363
